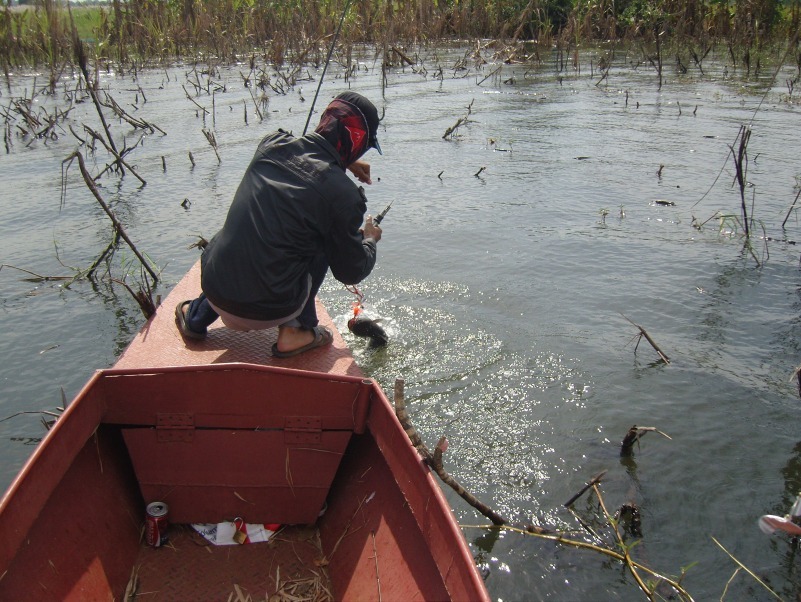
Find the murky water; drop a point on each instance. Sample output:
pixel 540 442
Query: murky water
pixel 504 293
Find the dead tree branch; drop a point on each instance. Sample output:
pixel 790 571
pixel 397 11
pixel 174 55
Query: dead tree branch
pixel 435 460
pixel 114 152
pixel 633 435
pixel 117 225
pixel 459 122
pixel 649 339
pixel 80 56
pixel 589 484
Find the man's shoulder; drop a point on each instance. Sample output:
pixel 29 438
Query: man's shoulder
pixel 279 136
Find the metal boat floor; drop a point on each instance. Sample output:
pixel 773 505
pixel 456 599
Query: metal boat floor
pixel 160 344
pixel 290 566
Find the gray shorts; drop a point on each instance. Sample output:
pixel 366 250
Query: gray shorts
pixel 244 324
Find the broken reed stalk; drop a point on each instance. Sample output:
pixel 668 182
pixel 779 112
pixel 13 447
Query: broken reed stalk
pixel 113 151
pixel 80 56
pixel 144 298
pixel 212 140
pixel 740 158
pixel 435 460
pixel 790 210
pixel 746 569
pixel 626 557
pixel 192 100
pixel 377 575
pixel 583 545
pixel 459 122
pixel 633 435
pixel 36 277
pixel 648 338
pixel 117 225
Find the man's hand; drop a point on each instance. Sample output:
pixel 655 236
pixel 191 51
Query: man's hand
pixel 371 230
pixel 361 169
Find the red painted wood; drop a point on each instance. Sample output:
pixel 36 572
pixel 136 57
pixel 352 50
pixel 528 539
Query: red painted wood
pixel 376 548
pixel 32 488
pixel 83 543
pixel 224 474
pixel 233 398
pixel 426 501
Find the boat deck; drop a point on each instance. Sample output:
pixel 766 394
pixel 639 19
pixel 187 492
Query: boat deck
pixel 159 344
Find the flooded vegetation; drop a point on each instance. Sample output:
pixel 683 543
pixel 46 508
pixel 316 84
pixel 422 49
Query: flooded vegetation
pixel 667 32
pixel 567 180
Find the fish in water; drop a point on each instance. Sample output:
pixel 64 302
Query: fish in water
pixel 362 326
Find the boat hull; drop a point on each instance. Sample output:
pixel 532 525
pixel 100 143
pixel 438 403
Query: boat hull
pixel 320 451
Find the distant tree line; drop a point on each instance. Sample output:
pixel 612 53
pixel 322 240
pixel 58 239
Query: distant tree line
pixel 166 29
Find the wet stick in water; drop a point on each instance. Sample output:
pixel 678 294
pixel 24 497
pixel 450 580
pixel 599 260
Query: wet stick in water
pixel 117 225
pixel 80 56
pixel 459 122
pixel 634 434
pixel 649 339
pixel 435 460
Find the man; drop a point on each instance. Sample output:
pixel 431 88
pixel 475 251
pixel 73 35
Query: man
pixel 295 214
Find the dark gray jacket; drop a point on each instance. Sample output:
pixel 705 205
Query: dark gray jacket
pixel 295 202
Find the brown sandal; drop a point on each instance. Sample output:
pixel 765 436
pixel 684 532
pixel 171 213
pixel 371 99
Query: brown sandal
pixel 322 337
pixel 183 327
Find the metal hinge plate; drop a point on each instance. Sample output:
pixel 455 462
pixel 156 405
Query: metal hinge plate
pixel 302 429
pixel 175 426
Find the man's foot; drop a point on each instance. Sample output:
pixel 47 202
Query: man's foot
pixel 297 340
pixel 183 327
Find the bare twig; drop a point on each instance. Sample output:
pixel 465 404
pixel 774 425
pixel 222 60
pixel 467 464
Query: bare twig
pixel 117 225
pixel 589 484
pixel 36 277
pixel 114 152
pixel 80 55
pixel 634 434
pixel 459 122
pixel 740 158
pixel 746 569
pixel 790 210
pixel 435 460
pixel 650 340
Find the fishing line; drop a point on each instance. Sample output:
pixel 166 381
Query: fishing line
pixel 325 67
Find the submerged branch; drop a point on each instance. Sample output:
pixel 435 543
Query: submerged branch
pixel 36 277
pixel 117 225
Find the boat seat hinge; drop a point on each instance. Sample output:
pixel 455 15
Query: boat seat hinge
pixel 175 426
pixel 302 429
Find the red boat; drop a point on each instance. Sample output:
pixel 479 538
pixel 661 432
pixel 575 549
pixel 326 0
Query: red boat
pixel 221 432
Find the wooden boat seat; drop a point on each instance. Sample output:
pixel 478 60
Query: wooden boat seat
pixel 216 443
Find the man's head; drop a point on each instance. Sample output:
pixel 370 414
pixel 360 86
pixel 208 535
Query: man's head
pixel 350 124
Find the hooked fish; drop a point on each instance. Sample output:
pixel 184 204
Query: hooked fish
pixel 362 326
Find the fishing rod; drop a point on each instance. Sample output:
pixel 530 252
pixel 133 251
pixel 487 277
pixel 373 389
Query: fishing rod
pixel 325 67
